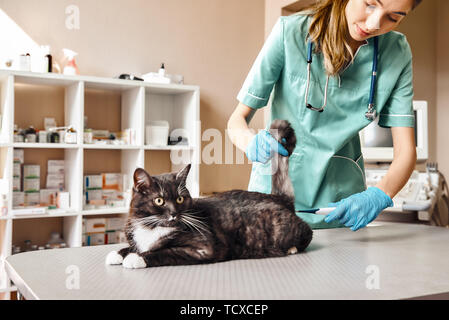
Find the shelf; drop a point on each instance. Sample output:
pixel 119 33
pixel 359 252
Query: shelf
pixel 111 146
pixel 45 215
pixel 45 145
pixel 104 211
pixel 97 82
pixel 170 148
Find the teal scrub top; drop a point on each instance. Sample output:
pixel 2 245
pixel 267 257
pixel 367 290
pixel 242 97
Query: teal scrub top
pixel 327 164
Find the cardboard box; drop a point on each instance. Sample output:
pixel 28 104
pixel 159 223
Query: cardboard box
pixel 32 198
pixel 93 182
pixel 108 194
pixel 55 181
pixel 94 225
pixel 93 195
pixel 31 171
pixel 111 237
pixel 56 167
pixel 31 184
pixel 114 224
pixel 18 199
pixel 48 197
pixel 95 239
pixel 17 169
pixel 18 156
pixel 116 203
pixel 112 181
pixel 63 200
pixel 16 184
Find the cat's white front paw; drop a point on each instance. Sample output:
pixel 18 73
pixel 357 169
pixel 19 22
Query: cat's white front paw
pixel 134 261
pixel 113 258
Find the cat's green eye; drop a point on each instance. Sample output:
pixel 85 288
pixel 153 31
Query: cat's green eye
pixel 180 200
pixel 159 201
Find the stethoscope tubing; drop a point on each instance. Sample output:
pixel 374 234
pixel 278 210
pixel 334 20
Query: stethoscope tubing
pixel 371 113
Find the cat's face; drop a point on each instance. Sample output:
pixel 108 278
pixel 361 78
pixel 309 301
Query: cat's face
pixel 161 200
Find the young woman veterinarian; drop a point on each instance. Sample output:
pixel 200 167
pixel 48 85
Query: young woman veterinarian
pixel 335 68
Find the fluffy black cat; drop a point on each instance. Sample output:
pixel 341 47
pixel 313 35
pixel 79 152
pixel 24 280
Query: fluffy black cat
pixel 166 226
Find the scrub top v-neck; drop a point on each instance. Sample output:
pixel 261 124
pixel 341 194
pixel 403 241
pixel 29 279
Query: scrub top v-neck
pixel 327 164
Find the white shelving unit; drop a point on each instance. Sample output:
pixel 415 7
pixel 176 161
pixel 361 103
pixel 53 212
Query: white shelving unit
pixel 138 103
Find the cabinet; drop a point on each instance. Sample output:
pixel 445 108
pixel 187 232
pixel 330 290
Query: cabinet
pixel 109 104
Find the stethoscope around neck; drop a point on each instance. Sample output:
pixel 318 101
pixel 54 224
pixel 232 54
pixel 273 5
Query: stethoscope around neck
pixel 371 114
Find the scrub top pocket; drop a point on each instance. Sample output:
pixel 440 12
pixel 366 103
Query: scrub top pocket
pixel 338 173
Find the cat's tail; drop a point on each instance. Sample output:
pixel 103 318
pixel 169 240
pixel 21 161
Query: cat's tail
pixel 281 184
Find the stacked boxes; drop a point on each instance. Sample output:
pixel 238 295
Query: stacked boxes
pixel 31 184
pixel 18 195
pixel 26 184
pixel 55 174
pixel 104 191
pixel 99 231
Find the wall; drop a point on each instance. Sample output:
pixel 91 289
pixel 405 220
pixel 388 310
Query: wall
pixel 213 43
pixel 442 75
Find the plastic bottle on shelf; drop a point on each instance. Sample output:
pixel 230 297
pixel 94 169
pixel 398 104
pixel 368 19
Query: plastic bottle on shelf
pixel 162 70
pixel 70 67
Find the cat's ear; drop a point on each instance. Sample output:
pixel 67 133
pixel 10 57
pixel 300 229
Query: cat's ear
pixel 141 179
pixel 182 175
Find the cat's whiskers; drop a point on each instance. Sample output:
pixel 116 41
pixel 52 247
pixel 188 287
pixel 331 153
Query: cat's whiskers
pixel 189 223
pixel 197 223
pixel 149 221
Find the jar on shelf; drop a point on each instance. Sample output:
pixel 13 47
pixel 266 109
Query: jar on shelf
pixel 30 135
pixel 53 137
pixel 27 245
pixel 18 134
pixel 16 250
pixel 88 136
pixel 70 135
pixel 55 240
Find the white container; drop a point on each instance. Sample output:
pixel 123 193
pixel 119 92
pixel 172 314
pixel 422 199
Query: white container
pixel 156 133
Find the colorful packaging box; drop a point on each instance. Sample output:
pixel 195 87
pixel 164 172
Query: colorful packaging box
pixel 32 198
pixel 31 184
pixel 94 225
pixel 31 171
pixel 93 182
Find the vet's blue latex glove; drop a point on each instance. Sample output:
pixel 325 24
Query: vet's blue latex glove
pixel 263 147
pixel 360 209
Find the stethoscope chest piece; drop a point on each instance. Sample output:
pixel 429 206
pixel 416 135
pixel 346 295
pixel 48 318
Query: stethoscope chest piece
pixel 371 114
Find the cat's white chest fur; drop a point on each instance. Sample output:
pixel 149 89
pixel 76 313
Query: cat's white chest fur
pixel 145 238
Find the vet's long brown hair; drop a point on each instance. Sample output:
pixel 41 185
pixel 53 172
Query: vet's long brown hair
pixel 328 31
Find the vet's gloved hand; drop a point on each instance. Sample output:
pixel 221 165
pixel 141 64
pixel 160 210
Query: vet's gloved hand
pixel 263 147
pixel 360 209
